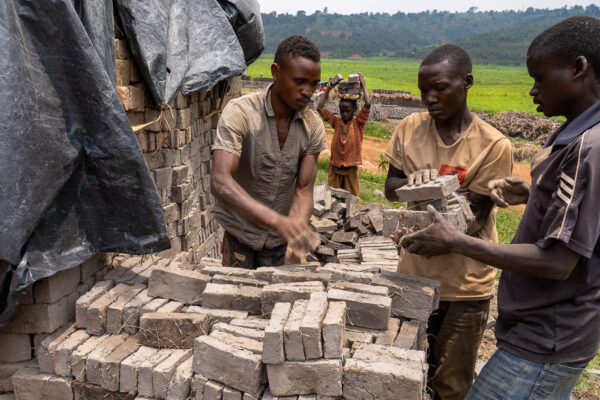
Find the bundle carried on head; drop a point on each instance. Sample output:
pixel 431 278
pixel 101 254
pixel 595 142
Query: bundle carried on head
pixel 348 89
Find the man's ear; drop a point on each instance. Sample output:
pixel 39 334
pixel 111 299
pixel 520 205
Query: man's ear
pixel 275 71
pixel 581 66
pixel 468 81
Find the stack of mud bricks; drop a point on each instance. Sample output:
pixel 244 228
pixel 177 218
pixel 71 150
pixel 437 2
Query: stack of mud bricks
pixel 342 223
pixel 441 194
pixel 350 88
pixel 177 149
pixel 46 309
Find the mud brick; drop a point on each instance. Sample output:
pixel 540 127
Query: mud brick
pixel 8 369
pixel 79 356
pixel 177 284
pixel 232 297
pixel 62 353
pixel 360 288
pixel 55 287
pixel 238 368
pixel 376 219
pixel 254 334
pixel 213 391
pixel 412 297
pixel 340 272
pixel 238 281
pixel 198 384
pixel 122 49
pixel 39 318
pixel 131 97
pixel 365 310
pixel 30 383
pixel 45 353
pixel 96 357
pixel 231 394
pixel 153 305
pixel 338 246
pixel 418 220
pixel 171 212
pixel 318 209
pixel 273 351
pixel 324 225
pixel 240 342
pixel 353 78
pixel 181 192
pixel 340 193
pixel 180 174
pixel 110 367
pixel 163 177
pixel 290 277
pixel 388 336
pixel 352 206
pixel 128 373
pixel 325 251
pixel 84 391
pixel 114 313
pixel 183 118
pixel 95 321
pixel 292 337
pixel 287 292
pixel 385 373
pixel 134 73
pixel 440 188
pixel 323 377
pixel 217 315
pixel 390 222
pixel 252 323
pixel 310 328
pixel 353 337
pixel 145 383
pixel 266 273
pixel 408 335
pixel 131 312
pixel 123 68
pixel 212 270
pixel 173 330
pixel 163 372
pixel 334 324
pixel 345 237
pixel 180 385
pixel 15 347
pixel 170 307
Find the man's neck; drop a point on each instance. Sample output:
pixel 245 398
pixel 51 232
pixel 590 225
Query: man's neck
pixel 585 102
pixel 451 129
pixel 281 110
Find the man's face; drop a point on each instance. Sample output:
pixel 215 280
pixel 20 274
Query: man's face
pixel 347 110
pixel 553 88
pixel 296 80
pixel 443 89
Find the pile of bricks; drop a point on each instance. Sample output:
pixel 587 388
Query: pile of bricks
pixel 47 307
pixel 350 88
pixel 341 221
pixel 176 143
pixel 441 193
pixel 166 329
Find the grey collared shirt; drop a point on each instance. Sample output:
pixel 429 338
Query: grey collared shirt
pixel 247 129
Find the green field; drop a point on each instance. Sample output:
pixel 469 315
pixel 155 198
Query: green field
pixel 497 88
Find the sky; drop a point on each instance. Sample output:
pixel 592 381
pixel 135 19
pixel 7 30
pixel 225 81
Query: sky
pixel 389 6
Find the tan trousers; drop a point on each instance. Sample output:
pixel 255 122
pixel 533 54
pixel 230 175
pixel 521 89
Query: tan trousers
pixel 343 178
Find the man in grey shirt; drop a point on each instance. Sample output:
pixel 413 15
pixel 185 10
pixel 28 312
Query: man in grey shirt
pixel 265 162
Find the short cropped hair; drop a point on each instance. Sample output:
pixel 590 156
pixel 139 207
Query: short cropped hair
pixel 348 101
pixel 569 39
pixel 297 46
pixel 454 55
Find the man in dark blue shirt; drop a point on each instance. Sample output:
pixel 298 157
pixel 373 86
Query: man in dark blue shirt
pixel 549 295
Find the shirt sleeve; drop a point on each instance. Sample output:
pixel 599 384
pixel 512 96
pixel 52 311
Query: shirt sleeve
pixel 572 215
pixel 497 165
pixel 318 143
pixel 395 149
pixel 231 130
pixel 363 117
pixel 328 116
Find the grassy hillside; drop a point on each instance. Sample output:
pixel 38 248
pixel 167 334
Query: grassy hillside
pixel 491 37
pixel 497 88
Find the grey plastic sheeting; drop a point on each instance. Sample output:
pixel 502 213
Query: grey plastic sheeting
pixel 74 182
pixel 244 16
pixel 186 45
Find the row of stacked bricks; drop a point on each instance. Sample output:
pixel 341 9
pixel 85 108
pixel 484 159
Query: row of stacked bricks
pixel 159 328
pixel 176 142
pixel 47 307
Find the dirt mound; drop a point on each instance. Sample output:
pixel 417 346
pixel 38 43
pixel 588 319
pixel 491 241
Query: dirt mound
pixel 522 124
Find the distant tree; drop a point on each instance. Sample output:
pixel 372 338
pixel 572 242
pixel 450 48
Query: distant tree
pixel 301 13
pixel 472 10
pixel 325 10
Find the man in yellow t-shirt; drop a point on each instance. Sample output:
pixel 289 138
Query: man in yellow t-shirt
pixel 451 139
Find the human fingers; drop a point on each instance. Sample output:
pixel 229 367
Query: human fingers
pixel 418 178
pixel 497 196
pixel 426 175
pixel 434 174
pixel 411 179
pixel 437 217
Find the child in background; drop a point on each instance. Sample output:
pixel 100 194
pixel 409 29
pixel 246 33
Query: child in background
pixel 346 146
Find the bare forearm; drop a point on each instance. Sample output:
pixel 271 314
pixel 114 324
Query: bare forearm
pixel 302 205
pixel 554 262
pixel 391 184
pixel 323 98
pixel 236 199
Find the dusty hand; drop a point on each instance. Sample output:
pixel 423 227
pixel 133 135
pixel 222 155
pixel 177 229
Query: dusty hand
pixel 298 235
pixel 421 176
pixel 508 191
pixel 434 240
